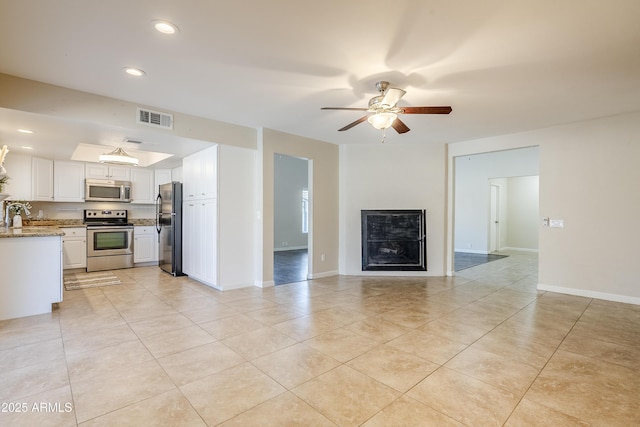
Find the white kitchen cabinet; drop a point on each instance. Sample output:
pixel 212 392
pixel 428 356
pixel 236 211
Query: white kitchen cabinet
pixel 145 245
pixel 209 240
pixel 103 171
pixel 200 240
pixel 209 174
pixel 41 179
pixel 74 248
pixel 190 172
pixel 189 232
pixel 31 276
pixel 142 186
pixel 176 174
pixel 68 181
pixel 19 171
pixel 162 176
pixel 200 175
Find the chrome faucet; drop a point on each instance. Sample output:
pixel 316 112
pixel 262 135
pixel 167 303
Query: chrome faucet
pixel 9 206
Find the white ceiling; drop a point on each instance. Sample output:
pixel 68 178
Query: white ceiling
pixel 503 65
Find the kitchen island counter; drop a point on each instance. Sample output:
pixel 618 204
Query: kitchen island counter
pixel 31 266
pixel 40 231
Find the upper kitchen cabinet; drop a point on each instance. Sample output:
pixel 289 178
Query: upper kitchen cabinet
pixel 163 176
pixel 68 181
pixel 142 186
pixel 102 171
pixel 41 179
pixel 200 175
pixel 19 171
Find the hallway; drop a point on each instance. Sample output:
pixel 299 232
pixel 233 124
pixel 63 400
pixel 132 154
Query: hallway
pixel 290 266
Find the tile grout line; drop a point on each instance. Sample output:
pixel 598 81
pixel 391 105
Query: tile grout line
pixel 549 359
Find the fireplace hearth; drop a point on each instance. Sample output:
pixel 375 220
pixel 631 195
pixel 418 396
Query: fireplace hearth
pixel 394 240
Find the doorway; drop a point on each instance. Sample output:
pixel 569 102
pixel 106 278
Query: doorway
pixel 292 220
pixel 495 207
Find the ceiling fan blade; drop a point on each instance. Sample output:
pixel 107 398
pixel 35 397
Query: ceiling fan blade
pixel 344 108
pixel 357 122
pixel 391 97
pixel 426 110
pixel 399 126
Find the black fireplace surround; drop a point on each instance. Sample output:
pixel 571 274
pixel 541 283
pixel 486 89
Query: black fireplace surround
pixel 394 240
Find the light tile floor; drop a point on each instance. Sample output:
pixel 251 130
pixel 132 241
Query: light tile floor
pixel 481 349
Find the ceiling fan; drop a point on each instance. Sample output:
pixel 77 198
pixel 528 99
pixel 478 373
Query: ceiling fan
pixel 384 111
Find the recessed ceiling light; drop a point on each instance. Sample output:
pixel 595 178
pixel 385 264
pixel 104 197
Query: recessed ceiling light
pixel 25 131
pixel 26 147
pixel 165 27
pixel 136 72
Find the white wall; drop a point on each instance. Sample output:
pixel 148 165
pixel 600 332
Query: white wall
pixel 589 177
pixel 391 176
pixel 522 215
pixel 290 179
pixel 472 192
pixel 236 207
pixel 323 192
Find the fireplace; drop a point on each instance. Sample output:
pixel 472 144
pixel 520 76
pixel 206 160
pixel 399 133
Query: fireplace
pixel 394 240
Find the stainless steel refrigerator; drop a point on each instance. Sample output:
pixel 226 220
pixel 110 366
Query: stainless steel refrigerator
pixel 169 227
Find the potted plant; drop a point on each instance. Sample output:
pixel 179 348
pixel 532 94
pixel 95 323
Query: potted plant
pixel 16 208
pixel 3 181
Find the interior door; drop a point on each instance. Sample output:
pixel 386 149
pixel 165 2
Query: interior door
pixel 494 219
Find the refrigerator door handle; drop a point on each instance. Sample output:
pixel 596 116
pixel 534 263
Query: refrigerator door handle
pixel 158 213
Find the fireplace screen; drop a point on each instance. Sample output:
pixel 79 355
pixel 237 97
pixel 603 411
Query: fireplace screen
pixel 394 240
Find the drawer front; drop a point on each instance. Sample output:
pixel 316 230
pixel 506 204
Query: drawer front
pixel 75 232
pixel 143 230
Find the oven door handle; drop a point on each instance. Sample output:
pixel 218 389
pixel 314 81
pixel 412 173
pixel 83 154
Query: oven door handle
pixel 109 227
pixel 158 213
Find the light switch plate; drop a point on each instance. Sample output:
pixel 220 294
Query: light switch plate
pixel 556 223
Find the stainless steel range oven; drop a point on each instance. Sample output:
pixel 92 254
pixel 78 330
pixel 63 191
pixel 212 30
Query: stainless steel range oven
pixel 109 239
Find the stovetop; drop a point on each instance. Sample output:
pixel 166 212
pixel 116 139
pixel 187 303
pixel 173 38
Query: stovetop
pixel 97 217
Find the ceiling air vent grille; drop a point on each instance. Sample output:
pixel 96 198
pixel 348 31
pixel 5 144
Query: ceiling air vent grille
pixel 155 118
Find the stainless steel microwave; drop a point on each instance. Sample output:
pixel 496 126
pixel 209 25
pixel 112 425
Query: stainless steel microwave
pixel 106 190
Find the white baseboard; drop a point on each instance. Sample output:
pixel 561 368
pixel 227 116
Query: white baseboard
pixel 589 294
pixel 266 284
pixel 145 264
pixel 289 248
pixel 507 248
pixel 510 248
pixel 323 274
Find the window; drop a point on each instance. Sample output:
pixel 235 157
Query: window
pixel 305 211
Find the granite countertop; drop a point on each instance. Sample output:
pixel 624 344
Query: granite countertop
pixel 143 221
pixel 40 228
pixel 62 223
pixel 44 231
pixel 67 223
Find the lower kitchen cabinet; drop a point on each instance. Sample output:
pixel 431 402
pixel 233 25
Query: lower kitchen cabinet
pixel 74 248
pixel 31 279
pixel 200 240
pixel 145 244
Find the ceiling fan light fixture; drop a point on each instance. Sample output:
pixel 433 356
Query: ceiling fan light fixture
pixel 382 120
pixel 118 157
